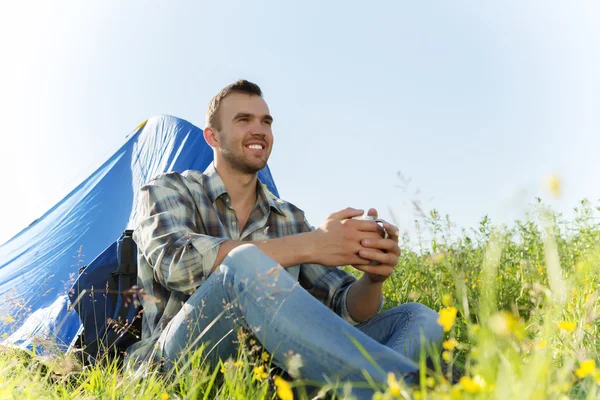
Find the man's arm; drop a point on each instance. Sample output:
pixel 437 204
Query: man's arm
pixel 336 242
pixel 287 251
pixel 364 299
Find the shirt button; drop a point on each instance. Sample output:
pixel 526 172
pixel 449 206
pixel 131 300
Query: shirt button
pixel 234 223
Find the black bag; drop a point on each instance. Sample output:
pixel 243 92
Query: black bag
pixel 105 298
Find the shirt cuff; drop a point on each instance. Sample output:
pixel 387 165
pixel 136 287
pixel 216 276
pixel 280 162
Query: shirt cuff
pixel 345 314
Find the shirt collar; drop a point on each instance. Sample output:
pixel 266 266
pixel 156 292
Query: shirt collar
pixel 215 188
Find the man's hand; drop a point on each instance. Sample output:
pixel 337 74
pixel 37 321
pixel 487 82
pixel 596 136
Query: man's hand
pixel 338 240
pixel 385 252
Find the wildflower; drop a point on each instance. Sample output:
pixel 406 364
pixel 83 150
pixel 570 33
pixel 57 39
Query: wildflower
pixel 265 356
pixel 446 356
pixel 541 344
pixel 447 317
pixel 4 335
pixel 430 382
pixel 223 369
pixel 474 385
pixel 293 364
pixel 455 393
pixel 450 344
pixel 284 390
pixel 567 326
pixel 393 384
pixel 585 368
pixel 553 185
pixel 238 364
pixel 503 323
pixel 9 320
pixel 164 396
pixel 447 299
pixel 259 373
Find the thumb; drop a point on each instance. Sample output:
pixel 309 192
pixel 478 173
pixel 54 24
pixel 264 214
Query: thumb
pixel 372 212
pixel 346 213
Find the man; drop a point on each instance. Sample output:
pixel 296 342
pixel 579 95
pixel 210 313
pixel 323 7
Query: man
pixel 218 251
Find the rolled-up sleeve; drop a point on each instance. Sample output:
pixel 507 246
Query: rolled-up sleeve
pixel 167 236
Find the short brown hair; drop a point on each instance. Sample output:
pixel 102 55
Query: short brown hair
pixel 241 86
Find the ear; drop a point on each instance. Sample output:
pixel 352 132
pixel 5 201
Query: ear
pixel 211 137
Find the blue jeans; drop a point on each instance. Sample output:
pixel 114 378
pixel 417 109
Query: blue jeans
pixel 249 289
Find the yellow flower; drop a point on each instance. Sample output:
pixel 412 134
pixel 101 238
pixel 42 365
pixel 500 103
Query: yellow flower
pixel 164 396
pixel 10 319
pixel 585 368
pixel 541 344
pixel 265 356
pixel 447 317
pixel 455 393
pixel 284 390
pixel 450 344
pixel 597 377
pixel 238 364
pixel 223 369
pixel 553 185
pixel 446 356
pixel 259 373
pixel 474 385
pixel 567 326
pixel 447 299
pixel 4 335
pixel 503 323
pixel 393 384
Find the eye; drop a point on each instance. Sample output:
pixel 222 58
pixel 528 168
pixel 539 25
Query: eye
pixel 269 122
pixel 243 119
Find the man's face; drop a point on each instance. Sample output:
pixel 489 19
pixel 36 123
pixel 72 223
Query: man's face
pixel 245 137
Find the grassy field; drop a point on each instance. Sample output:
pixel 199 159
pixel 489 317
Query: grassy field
pixel 519 305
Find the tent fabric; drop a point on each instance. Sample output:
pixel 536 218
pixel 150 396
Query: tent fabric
pixel 40 264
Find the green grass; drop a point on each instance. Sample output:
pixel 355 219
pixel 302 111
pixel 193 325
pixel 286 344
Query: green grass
pixel 527 303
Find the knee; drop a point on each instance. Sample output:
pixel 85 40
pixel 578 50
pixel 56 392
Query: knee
pixel 246 260
pixel 428 321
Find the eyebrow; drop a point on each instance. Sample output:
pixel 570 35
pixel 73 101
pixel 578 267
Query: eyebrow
pixel 267 117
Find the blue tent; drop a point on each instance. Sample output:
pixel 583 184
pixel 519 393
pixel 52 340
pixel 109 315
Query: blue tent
pixel 39 264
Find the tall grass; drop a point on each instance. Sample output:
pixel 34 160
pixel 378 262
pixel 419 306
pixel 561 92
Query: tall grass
pixel 526 327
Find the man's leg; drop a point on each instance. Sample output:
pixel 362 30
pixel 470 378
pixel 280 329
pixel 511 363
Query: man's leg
pixel 406 329
pixel 252 290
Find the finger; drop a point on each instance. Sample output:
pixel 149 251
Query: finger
pixel 379 256
pixel 346 213
pixel 383 270
pixel 364 226
pixel 392 230
pixel 372 212
pixel 381 244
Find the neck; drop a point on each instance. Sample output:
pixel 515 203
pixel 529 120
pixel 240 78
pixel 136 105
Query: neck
pixel 240 186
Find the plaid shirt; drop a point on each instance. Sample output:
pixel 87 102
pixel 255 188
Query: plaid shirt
pixel 181 221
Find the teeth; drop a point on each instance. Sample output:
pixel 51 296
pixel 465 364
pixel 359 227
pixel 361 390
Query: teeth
pixel 255 146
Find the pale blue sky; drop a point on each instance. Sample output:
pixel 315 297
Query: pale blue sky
pixel 476 102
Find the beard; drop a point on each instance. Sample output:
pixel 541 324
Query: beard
pixel 241 164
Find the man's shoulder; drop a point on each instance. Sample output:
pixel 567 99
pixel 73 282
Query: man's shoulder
pixel 188 177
